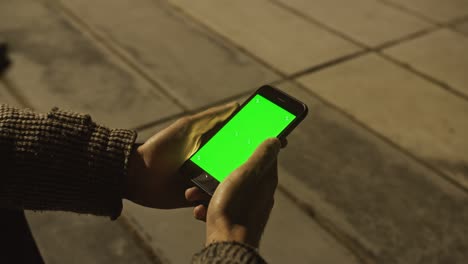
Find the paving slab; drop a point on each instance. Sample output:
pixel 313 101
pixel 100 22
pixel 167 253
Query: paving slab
pixel 72 238
pixel 54 64
pixel 192 64
pixel 395 209
pixel 291 236
pixel 278 37
pixel 369 22
pixel 440 11
pixel 416 114
pixel 462 26
pixel 442 55
pixel 146 133
pixel 6 97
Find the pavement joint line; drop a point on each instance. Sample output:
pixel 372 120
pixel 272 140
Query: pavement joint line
pixel 449 25
pixel 196 110
pixel 409 37
pixel 159 121
pixel 424 76
pixel 378 49
pixel 459 32
pixel 327 64
pixel 390 142
pixel 204 107
pixel 225 40
pixel 458 20
pixel 115 49
pixel 345 36
pixel 139 240
pixel 409 11
pixel 319 23
pixel 356 248
pixel 16 93
pixel 452 25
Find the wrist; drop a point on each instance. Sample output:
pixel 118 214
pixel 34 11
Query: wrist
pixel 236 233
pixel 134 168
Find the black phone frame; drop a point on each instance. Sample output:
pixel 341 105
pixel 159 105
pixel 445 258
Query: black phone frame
pixel 207 182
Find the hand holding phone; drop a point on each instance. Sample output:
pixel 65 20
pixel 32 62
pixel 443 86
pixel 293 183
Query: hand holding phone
pixel 237 165
pixel 153 178
pixel 268 113
pixel 241 205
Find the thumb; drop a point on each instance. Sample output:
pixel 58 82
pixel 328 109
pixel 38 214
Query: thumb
pixel 245 178
pixel 254 168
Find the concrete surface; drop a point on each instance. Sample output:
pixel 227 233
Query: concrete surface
pixel 438 11
pixel 370 22
pixel 71 238
pixel 306 241
pixel 269 32
pixel 54 64
pixel 414 113
pixel 172 51
pixel 462 26
pixel 370 194
pixel 6 97
pixel 447 60
pixel 377 173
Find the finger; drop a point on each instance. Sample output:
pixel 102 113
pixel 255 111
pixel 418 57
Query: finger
pixel 221 110
pixel 270 180
pixel 199 212
pixel 182 124
pixel 195 194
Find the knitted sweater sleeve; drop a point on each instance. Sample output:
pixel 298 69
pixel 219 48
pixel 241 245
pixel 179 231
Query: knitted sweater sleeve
pixel 64 161
pixel 61 161
pixel 228 252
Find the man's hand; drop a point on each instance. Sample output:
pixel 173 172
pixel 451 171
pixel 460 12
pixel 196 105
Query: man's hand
pixel 241 205
pixel 153 179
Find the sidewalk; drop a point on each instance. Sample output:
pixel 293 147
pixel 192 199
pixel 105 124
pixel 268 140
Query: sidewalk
pixel 377 173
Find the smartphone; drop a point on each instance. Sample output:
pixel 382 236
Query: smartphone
pixel 267 113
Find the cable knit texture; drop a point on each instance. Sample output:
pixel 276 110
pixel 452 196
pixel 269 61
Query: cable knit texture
pixel 228 252
pixel 61 161
pixel 65 161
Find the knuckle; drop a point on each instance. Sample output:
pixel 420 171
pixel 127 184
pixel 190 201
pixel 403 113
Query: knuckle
pixel 183 124
pixel 184 120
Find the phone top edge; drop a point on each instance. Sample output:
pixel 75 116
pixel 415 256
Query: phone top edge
pixel 299 109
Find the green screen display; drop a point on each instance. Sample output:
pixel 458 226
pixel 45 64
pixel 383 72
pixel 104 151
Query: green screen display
pixel 236 141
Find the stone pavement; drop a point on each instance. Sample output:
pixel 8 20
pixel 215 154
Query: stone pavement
pixel 377 173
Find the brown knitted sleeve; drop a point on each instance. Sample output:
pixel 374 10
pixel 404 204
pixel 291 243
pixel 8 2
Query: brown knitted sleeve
pixel 61 161
pixel 228 252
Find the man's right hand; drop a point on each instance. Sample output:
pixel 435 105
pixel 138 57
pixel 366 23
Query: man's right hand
pixel 241 204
